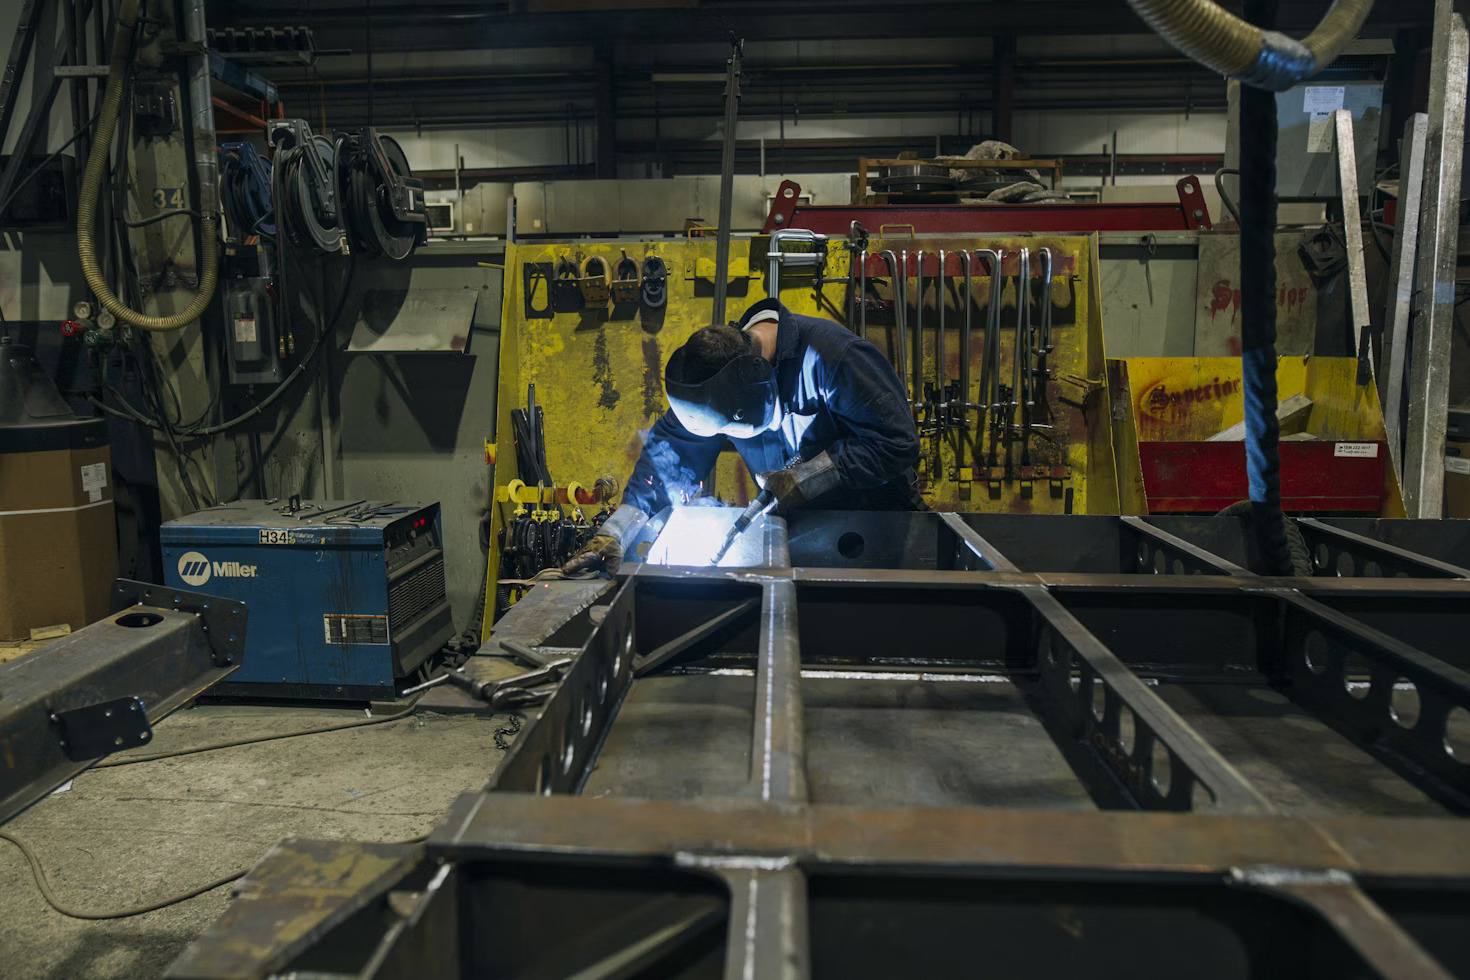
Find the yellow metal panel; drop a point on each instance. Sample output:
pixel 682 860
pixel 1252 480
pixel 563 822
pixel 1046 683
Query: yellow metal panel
pixel 599 373
pixel 1190 399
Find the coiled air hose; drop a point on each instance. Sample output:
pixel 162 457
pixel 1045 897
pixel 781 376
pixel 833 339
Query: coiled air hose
pixel 1221 41
pixel 122 42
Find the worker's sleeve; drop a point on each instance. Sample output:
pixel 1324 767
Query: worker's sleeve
pixel 866 396
pixel 673 464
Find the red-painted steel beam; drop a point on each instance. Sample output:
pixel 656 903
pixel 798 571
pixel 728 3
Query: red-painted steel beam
pixel 1190 214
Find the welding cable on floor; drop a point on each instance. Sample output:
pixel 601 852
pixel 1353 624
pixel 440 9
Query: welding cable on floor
pixel 44 885
pixel 398 715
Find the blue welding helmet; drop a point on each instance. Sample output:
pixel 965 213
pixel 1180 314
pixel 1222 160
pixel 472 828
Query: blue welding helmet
pixel 739 401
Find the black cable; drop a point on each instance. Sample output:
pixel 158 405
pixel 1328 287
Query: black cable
pixel 31 175
pixel 43 883
pixel 398 715
pixel 160 216
pixel 1225 198
pixel 1258 310
pixel 328 328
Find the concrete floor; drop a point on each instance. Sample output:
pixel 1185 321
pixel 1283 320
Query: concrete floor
pixel 130 835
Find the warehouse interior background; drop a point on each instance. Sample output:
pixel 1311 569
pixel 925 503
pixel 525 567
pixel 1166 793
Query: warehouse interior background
pixel 455 243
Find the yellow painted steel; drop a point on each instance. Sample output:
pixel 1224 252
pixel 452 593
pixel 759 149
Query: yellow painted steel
pixel 599 373
pixel 1190 399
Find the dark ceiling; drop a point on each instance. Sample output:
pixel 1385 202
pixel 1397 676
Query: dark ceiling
pixel 561 62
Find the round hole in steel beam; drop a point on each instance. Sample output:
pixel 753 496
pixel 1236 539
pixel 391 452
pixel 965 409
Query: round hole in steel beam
pixel 1346 566
pixel 138 620
pixel 569 747
pixel 1126 736
pixel 626 657
pixel 1099 698
pixel 1403 706
pixel 1322 556
pixel 543 776
pixel 1314 652
pixel 1159 768
pixel 1372 570
pixel 587 713
pixel 1160 562
pixel 1143 555
pixel 602 687
pixel 1457 735
pixel 850 545
pixel 1357 675
pixel 1176 567
pixel 1200 798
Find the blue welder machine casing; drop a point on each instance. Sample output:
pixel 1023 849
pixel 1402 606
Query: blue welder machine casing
pixel 341 605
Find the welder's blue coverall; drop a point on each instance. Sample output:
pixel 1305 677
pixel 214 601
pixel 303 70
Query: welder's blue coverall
pixel 836 393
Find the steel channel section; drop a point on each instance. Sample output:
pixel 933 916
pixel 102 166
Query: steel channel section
pixel 767 842
pixel 1434 281
pixel 1342 552
pixel 1077 672
pixel 1401 298
pixel 1321 644
pixel 162 647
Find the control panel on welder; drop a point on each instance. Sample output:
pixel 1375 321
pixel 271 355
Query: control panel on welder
pixel 411 538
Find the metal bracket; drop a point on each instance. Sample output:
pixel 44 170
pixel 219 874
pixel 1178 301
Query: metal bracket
pixel 1192 205
pixel 224 619
pixel 82 71
pixel 98 729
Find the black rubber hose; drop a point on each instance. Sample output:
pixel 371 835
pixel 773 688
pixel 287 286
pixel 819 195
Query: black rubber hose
pixel 1258 311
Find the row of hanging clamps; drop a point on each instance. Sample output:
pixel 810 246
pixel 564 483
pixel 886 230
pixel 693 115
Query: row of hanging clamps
pixel 587 283
pixel 1007 413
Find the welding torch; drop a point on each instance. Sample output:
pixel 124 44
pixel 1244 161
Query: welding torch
pixel 763 502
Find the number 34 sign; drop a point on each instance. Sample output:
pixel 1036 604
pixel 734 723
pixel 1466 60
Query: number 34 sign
pixel 168 198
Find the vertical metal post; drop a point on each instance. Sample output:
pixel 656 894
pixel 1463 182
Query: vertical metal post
pixel 1434 280
pixel 1400 300
pixel 15 68
pixel 727 180
pixel 1347 178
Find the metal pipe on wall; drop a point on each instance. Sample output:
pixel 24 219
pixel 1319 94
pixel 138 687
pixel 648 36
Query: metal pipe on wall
pixel 942 404
pixel 917 366
pixel 967 265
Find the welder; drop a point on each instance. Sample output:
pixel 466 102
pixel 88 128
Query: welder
pixel 816 412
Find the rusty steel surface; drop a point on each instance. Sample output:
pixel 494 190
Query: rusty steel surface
pixel 893 740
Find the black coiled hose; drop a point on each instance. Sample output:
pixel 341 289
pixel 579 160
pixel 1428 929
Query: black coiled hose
pixel 1258 312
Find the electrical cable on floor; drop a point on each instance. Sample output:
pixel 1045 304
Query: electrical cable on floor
pixel 398 715
pixel 44 885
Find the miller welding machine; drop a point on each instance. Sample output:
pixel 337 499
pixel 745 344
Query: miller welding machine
pixel 344 597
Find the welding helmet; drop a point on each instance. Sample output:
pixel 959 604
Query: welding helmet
pixel 738 401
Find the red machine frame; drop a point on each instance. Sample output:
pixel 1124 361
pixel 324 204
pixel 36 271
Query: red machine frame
pixel 1190 214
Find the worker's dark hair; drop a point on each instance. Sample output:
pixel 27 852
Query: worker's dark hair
pixel 706 353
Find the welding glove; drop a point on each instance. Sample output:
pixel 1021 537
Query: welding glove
pixel 603 552
pixel 801 483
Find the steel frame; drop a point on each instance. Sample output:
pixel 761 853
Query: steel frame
pixel 101 687
pixel 752 866
pixel 835 220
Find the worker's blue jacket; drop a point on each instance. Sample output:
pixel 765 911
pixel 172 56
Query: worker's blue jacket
pixel 836 393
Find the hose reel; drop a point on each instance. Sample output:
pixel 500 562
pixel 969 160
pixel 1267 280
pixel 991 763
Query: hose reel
pixel 383 201
pixel 357 192
pixel 245 191
pixel 304 188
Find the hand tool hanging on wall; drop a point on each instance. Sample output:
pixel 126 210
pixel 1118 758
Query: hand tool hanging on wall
pixel 655 282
